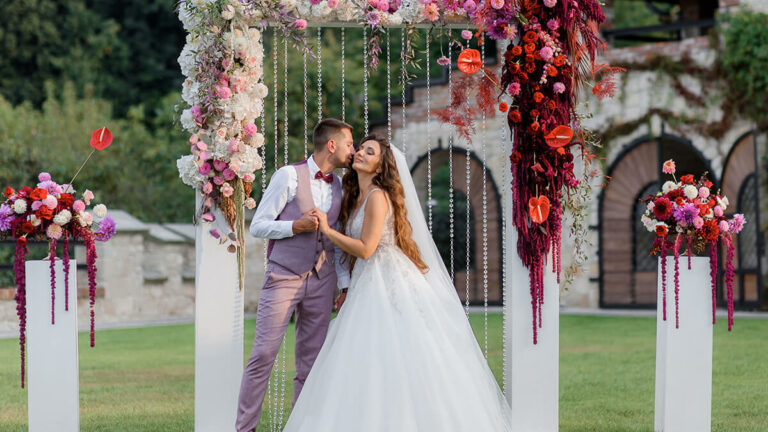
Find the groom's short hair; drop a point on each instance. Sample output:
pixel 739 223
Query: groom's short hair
pixel 327 129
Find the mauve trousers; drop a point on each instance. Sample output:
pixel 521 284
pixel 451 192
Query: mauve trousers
pixel 283 291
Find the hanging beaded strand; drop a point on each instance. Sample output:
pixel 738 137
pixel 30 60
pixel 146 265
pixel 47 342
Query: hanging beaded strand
pixel 365 78
pixel 485 219
pixel 389 90
pixel 275 93
pixel 343 78
pixel 504 181
pixel 403 76
pixel 429 139
pixel 450 164
pixel 319 74
pixel 468 244
pixel 306 96
pixel 285 99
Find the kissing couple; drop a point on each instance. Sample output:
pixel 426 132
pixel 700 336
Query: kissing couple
pixel 400 356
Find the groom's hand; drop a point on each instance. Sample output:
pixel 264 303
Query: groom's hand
pixel 339 301
pixel 307 223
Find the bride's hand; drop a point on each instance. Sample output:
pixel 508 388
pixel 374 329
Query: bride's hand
pixel 322 219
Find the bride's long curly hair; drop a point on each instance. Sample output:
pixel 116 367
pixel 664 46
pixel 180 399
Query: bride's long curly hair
pixel 389 181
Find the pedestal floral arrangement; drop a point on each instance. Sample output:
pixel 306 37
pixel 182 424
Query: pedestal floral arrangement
pixel 687 214
pixel 55 213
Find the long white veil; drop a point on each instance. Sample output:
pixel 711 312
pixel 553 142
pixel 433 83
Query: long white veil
pixel 437 275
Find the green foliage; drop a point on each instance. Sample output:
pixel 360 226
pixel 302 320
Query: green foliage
pixel 136 173
pixel 745 63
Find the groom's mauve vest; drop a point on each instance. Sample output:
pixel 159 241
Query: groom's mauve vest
pixel 305 251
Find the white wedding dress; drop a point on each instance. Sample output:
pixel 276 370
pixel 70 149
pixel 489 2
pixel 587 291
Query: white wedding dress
pixel 400 356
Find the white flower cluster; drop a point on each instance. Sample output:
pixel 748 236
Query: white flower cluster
pixel 410 11
pixel 224 138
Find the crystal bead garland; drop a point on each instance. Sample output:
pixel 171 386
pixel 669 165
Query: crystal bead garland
pixel 365 78
pixel 485 219
pixel 429 139
pixel 343 78
pixel 468 244
pixel 450 163
pixel 319 74
pixel 306 92
pixel 275 93
pixel 285 99
pixel 403 76
pixel 389 91
pixel 504 181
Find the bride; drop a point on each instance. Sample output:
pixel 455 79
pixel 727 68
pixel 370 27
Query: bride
pixel 400 356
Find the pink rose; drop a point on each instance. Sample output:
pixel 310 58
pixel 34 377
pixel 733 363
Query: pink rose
pixel 723 225
pixel 718 211
pixel 220 165
pixel 44 176
pixel 698 222
pixel 234 146
pixel 78 206
pixel 466 34
pixel 470 6
pixel 228 174
pixel 250 129
pixel 497 4
pixel 223 92
pixel 218 180
pixel 300 24
pixel 513 89
pixel 207 188
pixel 553 24
pixel 550 3
pixel 205 168
pixel 333 3
pixel 201 145
pixel 558 87
pixel 383 5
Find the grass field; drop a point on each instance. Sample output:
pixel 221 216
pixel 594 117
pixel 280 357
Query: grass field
pixel 143 379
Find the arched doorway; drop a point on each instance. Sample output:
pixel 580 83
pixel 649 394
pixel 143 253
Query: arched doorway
pixel 627 271
pixel 741 186
pixel 441 221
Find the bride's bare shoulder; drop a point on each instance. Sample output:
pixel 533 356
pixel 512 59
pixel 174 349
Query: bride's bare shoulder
pixel 377 202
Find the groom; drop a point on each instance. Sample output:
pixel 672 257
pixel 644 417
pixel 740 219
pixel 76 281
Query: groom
pixel 303 266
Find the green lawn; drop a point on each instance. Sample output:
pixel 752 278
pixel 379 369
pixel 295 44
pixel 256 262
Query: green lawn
pixel 142 379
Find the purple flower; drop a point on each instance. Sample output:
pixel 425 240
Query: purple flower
pixel 106 229
pixel 44 176
pixel 372 18
pixel 558 87
pixel 736 224
pixel 300 24
pixel 220 165
pixel 228 174
pixel 52 187
pixel 470 6
pixel 686 213
pixel 6 216
pixel 553 24
pixel 205 168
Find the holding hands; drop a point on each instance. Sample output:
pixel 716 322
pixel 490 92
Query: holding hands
pixel 322 220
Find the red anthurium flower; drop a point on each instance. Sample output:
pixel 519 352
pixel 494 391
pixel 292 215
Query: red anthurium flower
pixel 469 61
pixel 101 138
pixel 538 208
pixel 559 136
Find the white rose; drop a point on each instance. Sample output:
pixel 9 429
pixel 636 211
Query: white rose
pixel 250 203
pixel 690 191
pixel 647 222
pixel 34 220
pixel 261 90
pixel 62 218
pixel 258 140
pixel 668 187
pixel 227 12
pixel 723 202
pixel 19 206
pixel 650 206
pixel 100 210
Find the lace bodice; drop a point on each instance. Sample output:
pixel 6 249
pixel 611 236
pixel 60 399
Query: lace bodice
pixel 355 227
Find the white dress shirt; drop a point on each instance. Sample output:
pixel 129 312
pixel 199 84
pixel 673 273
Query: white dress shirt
pixel 282 190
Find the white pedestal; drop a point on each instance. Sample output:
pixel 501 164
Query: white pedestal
pixel 684 355
pixel 52 362
pixel 218 333
pixel 531 370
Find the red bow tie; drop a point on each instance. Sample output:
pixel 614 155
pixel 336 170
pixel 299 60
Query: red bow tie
pixel 327 178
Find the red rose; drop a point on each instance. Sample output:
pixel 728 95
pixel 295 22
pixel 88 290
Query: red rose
pixel 703 209
pixel 535 127
pixel 515 116
pixel 687 179
pixel 662 208
pixel 503 107
pixel 712 202
pixel 530 37
pixel 710 231
pixel 38 194
pixel 21 240
pixel 529 58
pixel 551 104
pixel 538 97
pixel 552 71
pixel 515 68
pixel 516 50
pixel 679 201
pixel 8 191
pixel 27 227
pixel 559 60
pixel 534 113
pixel 529 48
pixel 708 184
pixel 661 230
pixel 44 213
pixel 66 201
pixel 515 157
pixel 530 67
pixel 523 77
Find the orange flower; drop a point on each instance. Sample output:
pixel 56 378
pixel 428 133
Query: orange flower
pixel 530 67
pixel 523 77
pixel 687 179
pixel 530 36
pixel 516 50
pixel 515 68
pixel 529 58
pixel 552 105
pixel 534 113
pixel 515 116
pixel 469 61
pixel 38 194
pixel 661 230
pixel 559 60
pixel 552 71
pixel 535 127
pixel 538 97
pixel 45 213
pixel 530 48
pixel 679 201
pixel 503 107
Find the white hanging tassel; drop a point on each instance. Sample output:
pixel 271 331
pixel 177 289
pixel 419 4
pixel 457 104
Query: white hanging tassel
pixel 389 91
pixel 403 79
pixel 343 77
pixel 429 140
pixel 485 222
